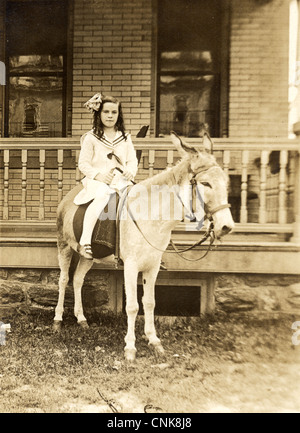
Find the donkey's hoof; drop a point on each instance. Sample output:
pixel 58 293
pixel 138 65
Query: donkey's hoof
pixel 83 324
pixel 57 325
pixel 130 355
pixel 158 348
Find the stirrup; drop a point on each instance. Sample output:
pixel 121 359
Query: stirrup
pixel 85 251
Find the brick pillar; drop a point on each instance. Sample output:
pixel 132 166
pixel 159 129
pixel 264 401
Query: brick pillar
pixel 259 68
pixel 2 59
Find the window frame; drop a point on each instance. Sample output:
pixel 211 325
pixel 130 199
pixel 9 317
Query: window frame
pixel 66 74
pixel 223 76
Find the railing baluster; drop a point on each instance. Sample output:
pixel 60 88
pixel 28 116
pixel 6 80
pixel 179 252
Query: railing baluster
pixel 262 214
pixel 77 172
pixel 244 186
pixel 24 183
pixel 296 233
pixel 151 162
pixel 42 184
pixel 291 180
pixel 60 160
pixel 170 158
pixel 226 161
pixel 282 212
pixel 6 184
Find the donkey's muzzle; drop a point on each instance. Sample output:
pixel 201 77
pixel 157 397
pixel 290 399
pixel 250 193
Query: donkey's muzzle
pixel 225 230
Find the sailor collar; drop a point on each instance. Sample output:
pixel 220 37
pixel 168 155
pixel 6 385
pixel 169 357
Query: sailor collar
pixel 107 142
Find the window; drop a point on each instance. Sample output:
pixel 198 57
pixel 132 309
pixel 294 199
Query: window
pixel 191 66
pixel 36 55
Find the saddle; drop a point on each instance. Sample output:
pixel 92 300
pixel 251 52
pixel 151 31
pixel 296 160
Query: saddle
pixel 105 237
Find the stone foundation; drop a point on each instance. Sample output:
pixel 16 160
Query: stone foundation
pixel 37 289
pixel 26 289
pixel 253 292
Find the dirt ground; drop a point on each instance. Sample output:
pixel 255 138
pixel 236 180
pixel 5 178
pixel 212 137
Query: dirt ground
pixel 225 363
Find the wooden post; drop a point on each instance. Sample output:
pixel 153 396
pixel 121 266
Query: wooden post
pixel 262 216
pixel 42 184
pixel 24 183
pixel 244 186
pixel 207 296
pixel 60 160
pixel 282 211
pixel 226 161
pixel 6 183
pixel 296 235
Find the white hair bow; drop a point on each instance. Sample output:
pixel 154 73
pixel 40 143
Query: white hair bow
pixel 94 103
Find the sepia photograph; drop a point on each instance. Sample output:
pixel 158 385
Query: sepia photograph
pixel 149 209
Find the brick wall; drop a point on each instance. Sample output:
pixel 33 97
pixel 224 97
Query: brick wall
pixel 259 68
pixel 33 193
pixel 112 53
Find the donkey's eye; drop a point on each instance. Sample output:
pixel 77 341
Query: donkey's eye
pixel 206 184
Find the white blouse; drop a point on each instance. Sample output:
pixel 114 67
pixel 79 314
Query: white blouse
pixel 93 155
pixel 93 159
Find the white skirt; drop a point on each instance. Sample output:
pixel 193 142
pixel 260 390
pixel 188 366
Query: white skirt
pixel 93 188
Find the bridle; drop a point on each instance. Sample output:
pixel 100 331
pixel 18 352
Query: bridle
pixel 209 234
pixel 208 215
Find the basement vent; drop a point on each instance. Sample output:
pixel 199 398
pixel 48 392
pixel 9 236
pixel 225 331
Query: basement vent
pixel 172 300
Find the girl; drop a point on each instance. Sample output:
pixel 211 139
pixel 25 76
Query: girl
pixel 104 148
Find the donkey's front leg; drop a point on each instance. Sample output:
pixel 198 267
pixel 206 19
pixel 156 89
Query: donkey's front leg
pixel 64 259
pixel 149 279
pixel 130 279
pixel 83 267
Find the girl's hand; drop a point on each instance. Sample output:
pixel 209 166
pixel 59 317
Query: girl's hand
pixel 106 178
pixel 128 175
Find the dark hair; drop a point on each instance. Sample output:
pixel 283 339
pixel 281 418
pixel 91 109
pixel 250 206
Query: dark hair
pixel 98 127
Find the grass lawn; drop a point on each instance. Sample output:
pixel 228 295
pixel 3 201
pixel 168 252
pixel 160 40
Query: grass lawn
pixel 221 364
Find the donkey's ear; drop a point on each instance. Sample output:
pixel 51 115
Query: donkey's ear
pixel 207 143
pixel 182 147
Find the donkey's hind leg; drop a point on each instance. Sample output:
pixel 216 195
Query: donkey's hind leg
pixel 64 259
pixel 83 267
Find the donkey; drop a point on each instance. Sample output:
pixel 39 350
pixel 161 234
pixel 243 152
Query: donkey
pixel 143 240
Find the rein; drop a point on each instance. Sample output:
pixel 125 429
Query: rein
pixel 209 233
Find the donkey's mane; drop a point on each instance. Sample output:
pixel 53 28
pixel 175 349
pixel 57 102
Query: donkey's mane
pixel 179 170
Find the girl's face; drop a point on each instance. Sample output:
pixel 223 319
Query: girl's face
pixel 109 114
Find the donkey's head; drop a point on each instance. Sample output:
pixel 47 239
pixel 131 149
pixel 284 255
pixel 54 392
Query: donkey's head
pixel 204 170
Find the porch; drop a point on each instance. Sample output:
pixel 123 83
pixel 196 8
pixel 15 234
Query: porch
pixel 261 253
pixel 264 193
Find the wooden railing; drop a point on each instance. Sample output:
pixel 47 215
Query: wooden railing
pixel 264 176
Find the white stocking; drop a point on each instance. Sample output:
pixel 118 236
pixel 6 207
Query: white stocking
pixel 90 218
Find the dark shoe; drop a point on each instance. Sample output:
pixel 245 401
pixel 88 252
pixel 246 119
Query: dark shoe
pixel 85 251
